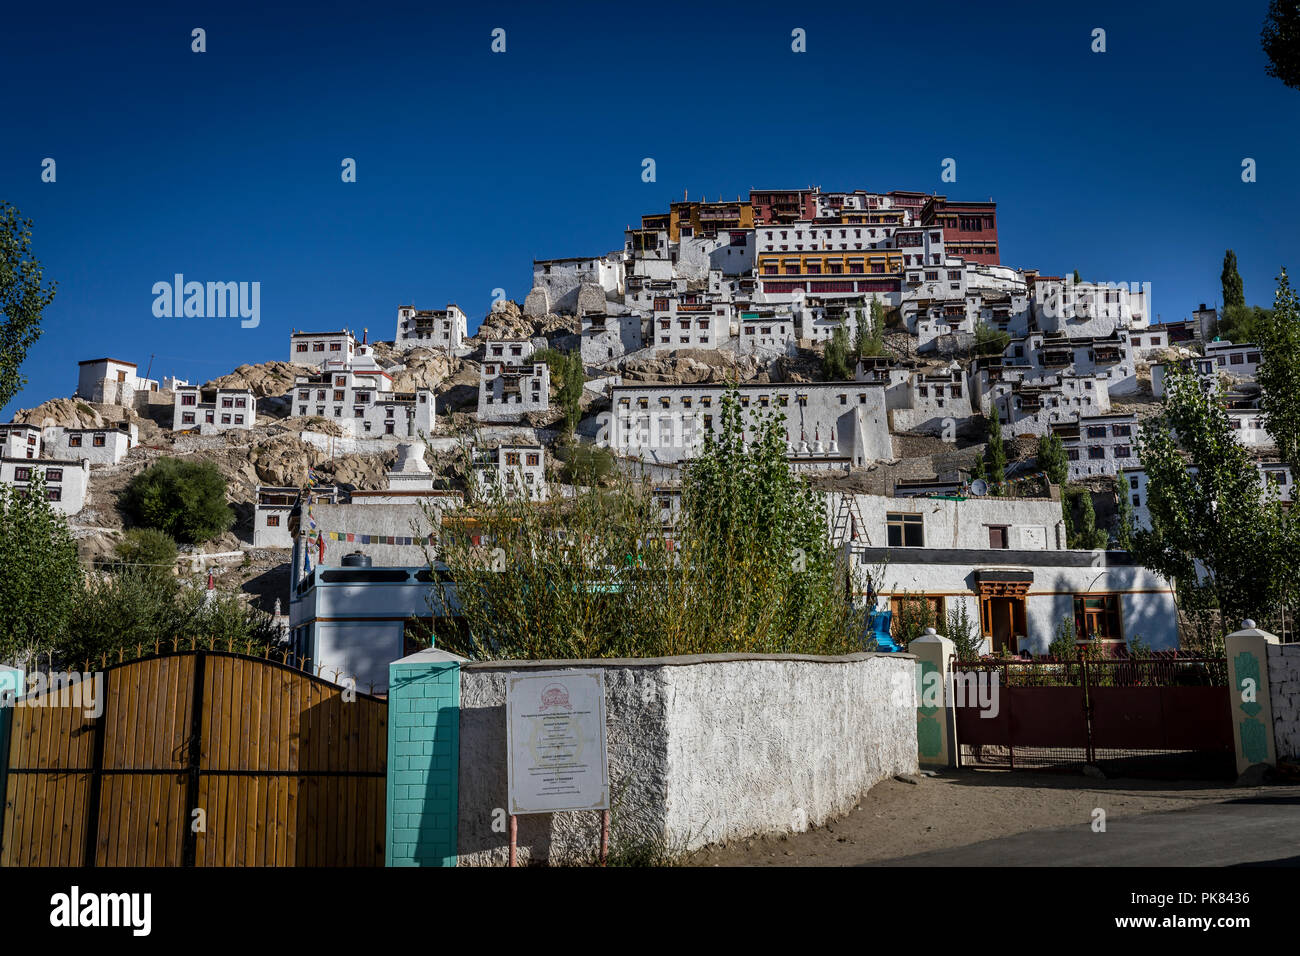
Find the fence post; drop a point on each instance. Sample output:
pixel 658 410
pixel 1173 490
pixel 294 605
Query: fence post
pixel 423 759
pixel 1250 709
pixel 12 684
pixel 936 718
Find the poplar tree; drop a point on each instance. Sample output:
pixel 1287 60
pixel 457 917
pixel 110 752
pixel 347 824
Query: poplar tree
pixel 1234 291
pixel 23 298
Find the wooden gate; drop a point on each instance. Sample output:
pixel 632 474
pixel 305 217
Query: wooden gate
pixel 199 758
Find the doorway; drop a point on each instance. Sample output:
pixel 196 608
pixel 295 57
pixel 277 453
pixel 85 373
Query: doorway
pixel 1003 619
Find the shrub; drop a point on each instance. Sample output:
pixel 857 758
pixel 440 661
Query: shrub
pixel 747 568
pixel 147 549
pixel 184 499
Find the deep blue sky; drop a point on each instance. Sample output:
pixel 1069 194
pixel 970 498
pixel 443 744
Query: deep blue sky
pixel 225 165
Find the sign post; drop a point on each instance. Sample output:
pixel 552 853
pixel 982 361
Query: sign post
pixel 555 747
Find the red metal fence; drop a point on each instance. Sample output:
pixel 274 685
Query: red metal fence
pixel 1163 715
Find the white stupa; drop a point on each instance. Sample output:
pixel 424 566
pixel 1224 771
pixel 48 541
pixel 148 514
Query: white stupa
pixel 412 472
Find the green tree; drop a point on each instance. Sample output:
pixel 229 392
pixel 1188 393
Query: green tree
pixel 835 361
pixel 1085 533
pixel 185 499
pixel 1280 39
pixel 1279 372
pixel 1077 280
pixel 134 609
pixel 997 454
pixel 150 550
pixel 23 298
pixel 1242 323
pixel 1052 459
pixel 870 340
pixel 990 341
pixel 40 578
pixel 569 375
pixel 1234 291
pixel 1124 523
pixel 1217 532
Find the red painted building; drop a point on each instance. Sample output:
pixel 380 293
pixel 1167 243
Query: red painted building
pixel 970 229
pixel 783 205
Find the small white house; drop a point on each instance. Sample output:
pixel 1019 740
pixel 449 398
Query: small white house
pixel 210 411
pixel 65 481
pixel 1004 560
pixel 316 348
pixel 99 446
pixel 516 471
pixel 1100 445
pixel 432 328
pixel 108 381
pixel 510 385
pixel 20 441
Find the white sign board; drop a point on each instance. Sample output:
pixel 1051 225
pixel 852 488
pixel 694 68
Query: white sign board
pixel 1033 538
pixel 555 741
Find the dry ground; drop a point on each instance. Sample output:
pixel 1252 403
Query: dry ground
pixel 961 807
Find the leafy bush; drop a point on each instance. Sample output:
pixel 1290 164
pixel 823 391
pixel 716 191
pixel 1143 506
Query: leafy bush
pixel 747 568
pixel 964 632
pixel 184 499
pixel 147 549
pixel 585 465
pixel 134 608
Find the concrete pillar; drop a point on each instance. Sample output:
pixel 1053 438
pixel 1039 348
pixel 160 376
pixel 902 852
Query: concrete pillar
pixel 1248 696
pixel 936 720
pixel 13 683
pixel 423 759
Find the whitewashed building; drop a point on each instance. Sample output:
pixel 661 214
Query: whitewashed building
pixel 828 424
pixel 432 328
pixel 767 332
pixel 20 441
pixel 360 400
pixel 558 282
pixel 1098 445
pixel 66 482
pixel 212 410
pixel 316 348
pixel 606 337
pixel 510 385
pixel 108 381
pixel 1239 361
pixel 1005 561
pixel 515 471
pixel 937 402
pixel 99 446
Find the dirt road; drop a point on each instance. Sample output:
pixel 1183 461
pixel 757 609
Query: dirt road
pixel 963 807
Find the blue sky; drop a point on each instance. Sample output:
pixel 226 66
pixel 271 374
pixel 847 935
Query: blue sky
pixel 225 165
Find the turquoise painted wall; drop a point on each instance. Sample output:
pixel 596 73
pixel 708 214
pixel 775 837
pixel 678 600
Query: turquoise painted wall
pixel 423 759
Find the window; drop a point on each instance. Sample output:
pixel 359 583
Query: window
pixel 318 347
pixel 1097 615
pixel 1123 451
pixel 300 347
pixel 54 494
pixel 338 395
pixel 905 530
pixel 533 460
pixel 99 440
pixel 22 474
pixel 336 347
pixel 1095 452
pixel 187 418
pixel 998 537
pixel 225 419
pixel 189 399
pixel 273 521
pixel 74 441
